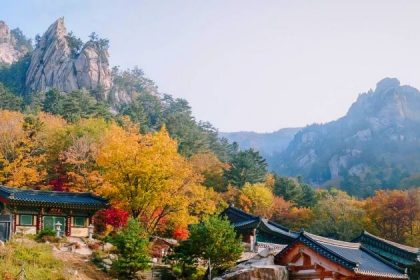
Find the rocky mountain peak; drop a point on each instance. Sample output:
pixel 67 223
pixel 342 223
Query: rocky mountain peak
pixel 390 102
pixel 4 29
pixel 386 84
pixel 54 64
pixel 10 49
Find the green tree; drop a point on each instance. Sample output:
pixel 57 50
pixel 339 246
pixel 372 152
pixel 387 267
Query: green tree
pixel 213 239
pixel 246 167
pixel 291 189
pixel 14 76
pixel 52 102
pixel 8 100
pixel 75 43
pixel 132 243
pixel 338 216
pixel 74 105
pixel 288 188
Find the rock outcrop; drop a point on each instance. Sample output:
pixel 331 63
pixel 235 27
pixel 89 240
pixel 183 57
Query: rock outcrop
pixel 260 267
pixel 10 49
pixel 55 65
pixel 376 144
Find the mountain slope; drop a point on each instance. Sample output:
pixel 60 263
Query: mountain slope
pixel 376 144
pixel 267 143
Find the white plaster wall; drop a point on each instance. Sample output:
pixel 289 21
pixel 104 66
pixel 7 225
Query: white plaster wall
pixel 79 232
pixel 26 229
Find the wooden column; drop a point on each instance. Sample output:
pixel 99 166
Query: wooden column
pixel 39 225
pixel 68 225
pixel 38 222
pixel 14 222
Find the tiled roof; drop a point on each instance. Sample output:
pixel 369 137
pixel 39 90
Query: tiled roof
pixel 275 228
pixel 237 216
pixel 351 255
pixel 243 220
pixel 51 198
pixel 389 243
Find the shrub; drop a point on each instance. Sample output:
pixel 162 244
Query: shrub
pixel 132 243
pixel 46 234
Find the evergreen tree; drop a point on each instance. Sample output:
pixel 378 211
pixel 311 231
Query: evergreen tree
pixel 133 247
pixel 8 100
pixel 214 241
pixel 246 167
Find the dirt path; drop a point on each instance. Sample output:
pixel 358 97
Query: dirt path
pixel 80 268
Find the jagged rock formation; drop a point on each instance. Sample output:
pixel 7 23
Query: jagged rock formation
pixel 10 48
pixel 54 65
pixel 377 143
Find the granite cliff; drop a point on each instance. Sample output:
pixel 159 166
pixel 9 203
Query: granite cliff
pixel 55 65
pixel 376 144
pixel 12 48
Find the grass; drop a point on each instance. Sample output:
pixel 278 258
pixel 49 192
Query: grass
pixel 36 259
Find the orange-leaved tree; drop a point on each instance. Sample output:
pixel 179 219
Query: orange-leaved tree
pixel 146 176
pixel 395 215
pixel 22 158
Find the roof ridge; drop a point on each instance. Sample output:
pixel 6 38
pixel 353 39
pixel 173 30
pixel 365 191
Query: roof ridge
pixel 397 245
pixel 278 225
pixel 353 245
pixel 14 190
pixel 240 211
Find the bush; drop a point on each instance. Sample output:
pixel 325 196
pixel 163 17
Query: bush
pixel 46 234
pixel 132 243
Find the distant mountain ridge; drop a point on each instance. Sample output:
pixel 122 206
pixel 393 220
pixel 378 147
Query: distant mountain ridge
pixel 375 145
pixel 268 144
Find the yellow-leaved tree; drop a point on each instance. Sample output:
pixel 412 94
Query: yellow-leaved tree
pixel 145 175
pixel 79 155
pixel 257 199
pixel 21 159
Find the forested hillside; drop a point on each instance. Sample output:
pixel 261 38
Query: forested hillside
pixel 154 161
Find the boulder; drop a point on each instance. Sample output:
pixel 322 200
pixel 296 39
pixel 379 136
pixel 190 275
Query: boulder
pixel 261 266
pixel 107 261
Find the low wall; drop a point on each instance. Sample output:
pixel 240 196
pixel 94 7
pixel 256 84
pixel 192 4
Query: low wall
pixel 79 232
pixel 26 229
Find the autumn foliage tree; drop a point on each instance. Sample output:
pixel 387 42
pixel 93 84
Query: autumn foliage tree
pixel 257 199
pixel 22 163
pixel 395 215
pixel 146 176
pixel 338 216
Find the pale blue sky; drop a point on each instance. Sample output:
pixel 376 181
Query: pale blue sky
pixel 248 65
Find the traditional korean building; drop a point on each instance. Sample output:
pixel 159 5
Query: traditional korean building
pixel 401 255
pixel 29 211
pixel 256 230
pixel 314 257
pixel 308 256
